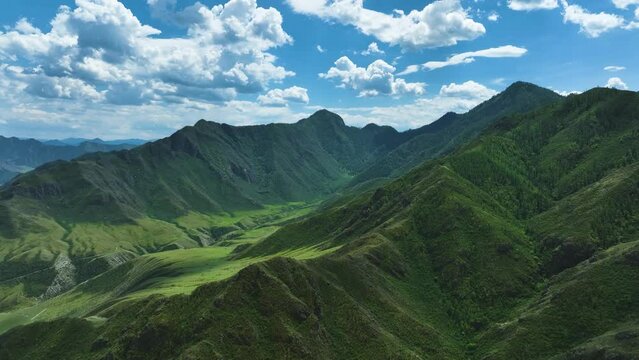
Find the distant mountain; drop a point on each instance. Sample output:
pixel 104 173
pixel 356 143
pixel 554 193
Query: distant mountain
pixel 78 141
pixel 20 155
pixel 521 243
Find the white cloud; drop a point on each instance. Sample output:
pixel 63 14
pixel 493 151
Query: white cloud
pixel 493 17
pixel 467 90
pixel 373 48
pixel 440 23
pixel 376 79
pixel 100 51
pixel 593 25
pixel 452 97
pixel 637 12
pixel 507 51
pixel 281 97
pixel 616 83
pixel 568 93
pixel 320 49
pixel 24 115
pixel 528 5
pixel 623 4
pixel 613 68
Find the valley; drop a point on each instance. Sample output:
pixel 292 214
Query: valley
pixel 518 242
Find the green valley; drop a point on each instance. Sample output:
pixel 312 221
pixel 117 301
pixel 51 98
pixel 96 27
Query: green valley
pixel 510 234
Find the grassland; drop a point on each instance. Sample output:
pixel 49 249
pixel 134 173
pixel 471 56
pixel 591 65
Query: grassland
pixel 169 272
pixel 521 244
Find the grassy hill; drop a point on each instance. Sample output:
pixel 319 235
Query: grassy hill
pixel 518 244
pixel 70 220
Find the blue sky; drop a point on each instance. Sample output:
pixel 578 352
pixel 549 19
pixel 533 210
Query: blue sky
pixel 145 68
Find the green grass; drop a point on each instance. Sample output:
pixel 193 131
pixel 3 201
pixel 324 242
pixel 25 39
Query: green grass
pixel 474 255
pixel 166 272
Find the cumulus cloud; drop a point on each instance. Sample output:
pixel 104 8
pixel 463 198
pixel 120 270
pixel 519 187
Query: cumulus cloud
pixel 25 115
pixel 592 24
pixel 528 5
pixel 440 23
pixel 568 93
pixel 281 97
pixel 493 17
pixel 376 79
pixel 100 51
pixel 451 97
pixel 616 83
pixel 613 68
pixel 623 4
pixel 507 51
pixel 372 49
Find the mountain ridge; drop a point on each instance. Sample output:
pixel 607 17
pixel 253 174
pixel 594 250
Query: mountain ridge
pixel 520 241
pixel 21 155
pixel 432 140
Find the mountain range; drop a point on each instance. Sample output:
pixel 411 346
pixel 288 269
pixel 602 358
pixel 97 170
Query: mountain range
pixel 506 232
pixel 79 141
pixel 21 155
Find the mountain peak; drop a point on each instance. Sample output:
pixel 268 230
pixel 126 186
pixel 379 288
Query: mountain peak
pixel 325 116
pixel 523 86
pixel 519 97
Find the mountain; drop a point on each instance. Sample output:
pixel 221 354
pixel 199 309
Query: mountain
pixel 93 211
pixel 522 243
pixel 20 155
pixel 220 167
pixel 451 130
pixel 78 141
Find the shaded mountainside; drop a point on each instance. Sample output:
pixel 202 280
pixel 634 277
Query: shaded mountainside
pixel 521 244
pixel 553 191
pixel 127 203
pixel 452 130
pixel 20 155
pixel 159 196
pixel 207 167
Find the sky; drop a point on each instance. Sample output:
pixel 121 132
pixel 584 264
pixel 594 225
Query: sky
pixel 145 68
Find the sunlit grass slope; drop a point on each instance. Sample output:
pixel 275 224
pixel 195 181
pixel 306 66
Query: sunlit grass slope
pixel 521 244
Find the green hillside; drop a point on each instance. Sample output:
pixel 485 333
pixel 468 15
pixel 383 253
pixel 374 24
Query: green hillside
pixel 518 244
pixel 68 221
pixel 453 130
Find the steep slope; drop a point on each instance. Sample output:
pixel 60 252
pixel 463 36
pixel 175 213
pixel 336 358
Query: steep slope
pixel 453 130
pixel 548 192
pixel 18 156
pixel 221 168
pixel 469 256
pixel 127 203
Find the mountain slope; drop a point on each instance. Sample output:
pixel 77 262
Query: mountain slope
pixel 453 130
pixel 520 244
pixel 128 203
pixel 132 202
pixel 496 219
pixel 220 167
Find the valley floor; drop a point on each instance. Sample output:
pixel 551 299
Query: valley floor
pixel 171 272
